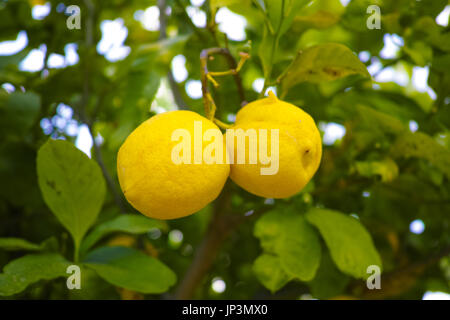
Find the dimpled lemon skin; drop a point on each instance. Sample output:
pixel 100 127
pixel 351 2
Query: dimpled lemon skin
pixel 152 183
pixel 300 148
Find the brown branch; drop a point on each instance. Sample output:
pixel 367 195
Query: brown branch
pixel 222 224
pixel 204 71
pixel 400 280
pixel 178 98
pixel 89 41
pixel 204 57
pixel 223 221
pixel 162 5
pixel 109 180
pixel 237 78
pixel 218 230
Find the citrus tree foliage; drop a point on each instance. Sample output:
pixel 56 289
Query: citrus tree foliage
pixel 58 207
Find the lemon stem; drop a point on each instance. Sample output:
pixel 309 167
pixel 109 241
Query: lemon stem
pixel 208 76
pixel 212 107
pixel 222 125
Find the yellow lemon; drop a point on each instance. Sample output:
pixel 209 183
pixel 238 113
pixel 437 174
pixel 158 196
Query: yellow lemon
pixel 151 175
pixel 293 146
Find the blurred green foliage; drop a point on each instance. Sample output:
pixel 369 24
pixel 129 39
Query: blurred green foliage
pixel 380 173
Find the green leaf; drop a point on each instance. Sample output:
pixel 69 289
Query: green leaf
pixel 268 229
pixel 93 287
pixel 378 121
pixel 129 223
pixel 158 55
pixel 293 240
pixel 391 103
pixel 387 169
pixel 350 244
pixel 72 186
pixel 267 269
pixel 18 181
pixel 29 269
pixel 140 90
pixel 12 244
pixel 329 281
pixel 421 145
pixel 432 33
pixel 300 249
pixel 377 124
pixel 136 100
pixel 274 12
pixel 281 18
pixel 420 53
pixel 319 20
pixel 131 269
pixel 291 9
pixel 319 14
pixel 278 21
pixel 442 62
pixel 216 4
pixel 19 112
pixel 355 15
pixel 323 62
pixel 265 52
pixel 12 59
